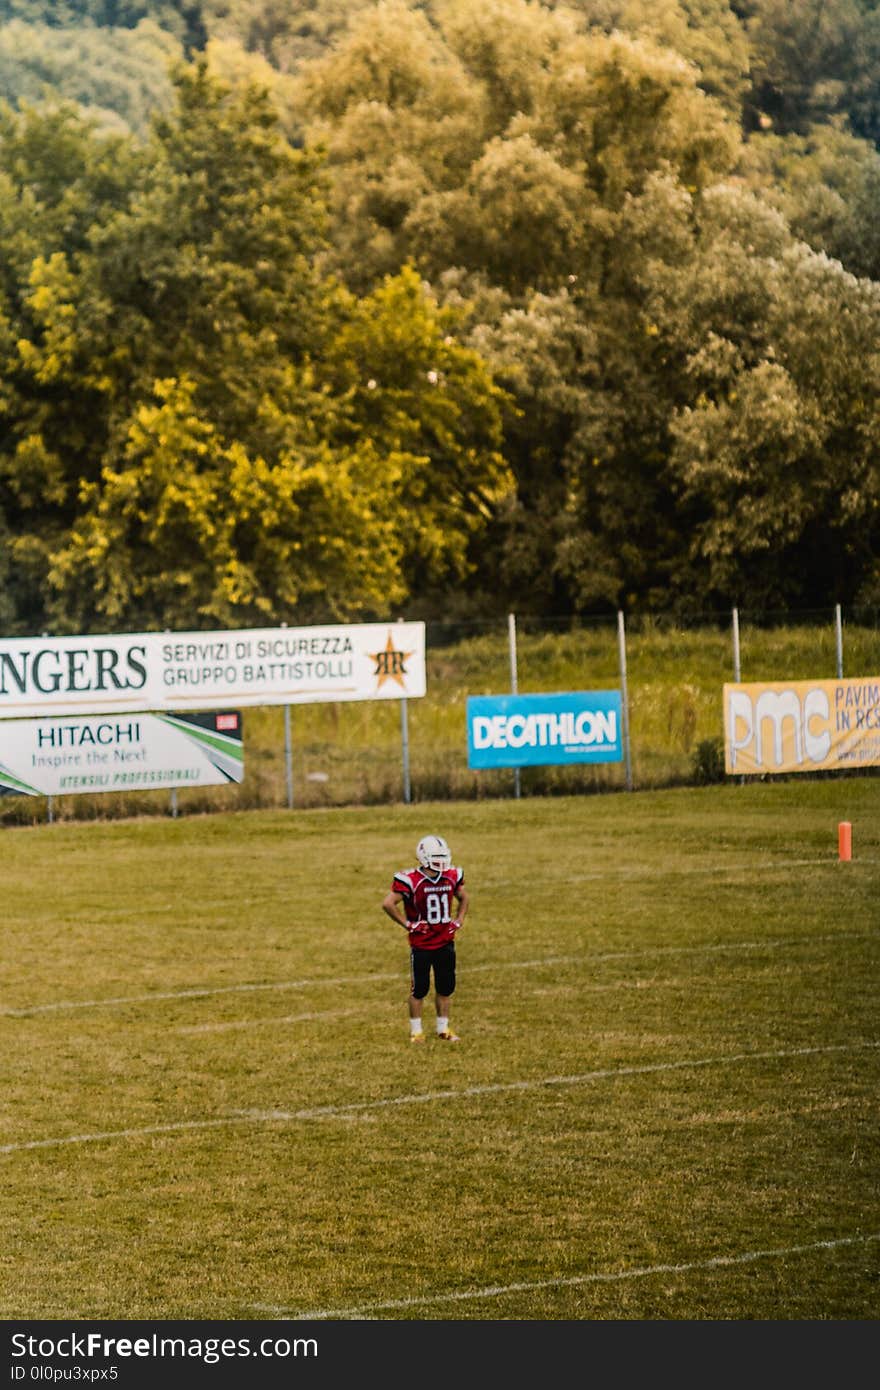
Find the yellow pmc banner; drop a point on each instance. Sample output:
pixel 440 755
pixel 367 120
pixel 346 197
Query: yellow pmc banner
pixel 802 726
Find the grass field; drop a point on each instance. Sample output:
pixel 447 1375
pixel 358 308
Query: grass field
pixel 663 1106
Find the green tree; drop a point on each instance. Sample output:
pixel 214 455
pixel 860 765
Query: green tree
pixel 57 182
pixel 708 434
pixel 804 55
pixel 398 117
pixel 862 96
pixel 827 184
pixel 402 379
pixel 776 452
pixel 189 530
pixel 210 269
pixel 282 32
pixel 182 18
pixel 235 66
pixel 120 76
pixel 500 139
pixel 190 436
pixel 708 33
pixel 364 508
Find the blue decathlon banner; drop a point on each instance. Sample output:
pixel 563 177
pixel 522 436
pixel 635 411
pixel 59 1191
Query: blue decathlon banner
pixel 580 726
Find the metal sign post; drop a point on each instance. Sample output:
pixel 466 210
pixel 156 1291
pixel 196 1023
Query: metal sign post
pixel 404 746
pixel 288 758
pixel 511 638
pixel 621 647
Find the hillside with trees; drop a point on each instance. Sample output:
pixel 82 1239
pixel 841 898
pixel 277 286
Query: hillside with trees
pixel 329 310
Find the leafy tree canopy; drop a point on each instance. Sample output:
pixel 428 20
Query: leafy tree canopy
pixel 119 77
pixel 564 306
pixel 188 434
pixel 182 18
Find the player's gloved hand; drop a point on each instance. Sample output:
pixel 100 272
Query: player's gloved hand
pixel 414 928
pixel 455 925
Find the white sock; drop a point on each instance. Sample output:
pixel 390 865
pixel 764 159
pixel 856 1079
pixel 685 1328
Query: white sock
pixel 442 1025
pixel 415 1025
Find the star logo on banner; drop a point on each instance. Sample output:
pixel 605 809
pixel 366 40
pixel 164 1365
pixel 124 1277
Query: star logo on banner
pixel 390 664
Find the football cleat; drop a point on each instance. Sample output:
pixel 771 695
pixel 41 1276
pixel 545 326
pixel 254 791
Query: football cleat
pixel 448 1036
pixel 416 1037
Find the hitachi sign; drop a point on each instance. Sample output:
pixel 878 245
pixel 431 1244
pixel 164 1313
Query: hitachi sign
pixel 567 729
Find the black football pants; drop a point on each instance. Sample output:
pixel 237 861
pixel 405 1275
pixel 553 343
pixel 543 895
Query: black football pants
pixel 443 963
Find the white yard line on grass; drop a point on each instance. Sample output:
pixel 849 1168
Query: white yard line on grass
pixel 27 1010
pixel 564 1282
pixel 276 985
pixel 742 867
pixel 208 991
pixel 325 1112
pixel 264 1022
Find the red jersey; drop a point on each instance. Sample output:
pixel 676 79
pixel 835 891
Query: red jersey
pixel 427 900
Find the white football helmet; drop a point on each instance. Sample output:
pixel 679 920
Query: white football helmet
pixel 433 853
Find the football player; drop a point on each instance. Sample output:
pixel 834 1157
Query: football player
pixel 430 903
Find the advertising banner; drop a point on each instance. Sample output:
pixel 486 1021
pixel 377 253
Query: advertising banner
pixel 802 726
pixel 55 757
pixel 210 670
pixel 534 730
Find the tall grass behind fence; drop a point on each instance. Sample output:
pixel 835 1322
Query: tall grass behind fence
pixel 352 753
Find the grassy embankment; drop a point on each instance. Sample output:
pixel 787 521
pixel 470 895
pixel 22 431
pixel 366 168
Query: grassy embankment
pixel 344 754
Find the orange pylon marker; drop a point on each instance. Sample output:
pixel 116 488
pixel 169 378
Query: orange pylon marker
pixel 844 840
